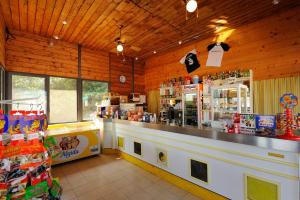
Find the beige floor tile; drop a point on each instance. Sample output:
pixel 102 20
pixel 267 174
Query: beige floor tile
pixel 166 195
pixel 140 196
pixel 107 178
pixel 90 195
pixel 177 191
pixel 68 195
pixel 191 197
pixel 115 196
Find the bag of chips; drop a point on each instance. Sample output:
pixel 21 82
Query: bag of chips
pixel 30 126
pixel 14 128
pixel 3 127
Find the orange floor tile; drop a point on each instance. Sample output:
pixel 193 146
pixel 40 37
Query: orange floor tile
pixel 108 178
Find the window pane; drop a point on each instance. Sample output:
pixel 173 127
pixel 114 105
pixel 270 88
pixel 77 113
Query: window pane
pixel 29 87
pixel 63 100
pixel 92 92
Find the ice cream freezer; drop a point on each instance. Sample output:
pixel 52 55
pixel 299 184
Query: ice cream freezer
pixel 73 141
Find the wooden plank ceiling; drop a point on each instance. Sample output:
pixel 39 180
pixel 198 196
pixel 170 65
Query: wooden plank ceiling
pixel 148 24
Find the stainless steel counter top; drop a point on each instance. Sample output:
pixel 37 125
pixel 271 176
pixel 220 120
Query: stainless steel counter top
pixel 262 142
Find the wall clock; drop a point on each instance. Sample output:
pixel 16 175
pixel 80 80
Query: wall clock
pixel 122 79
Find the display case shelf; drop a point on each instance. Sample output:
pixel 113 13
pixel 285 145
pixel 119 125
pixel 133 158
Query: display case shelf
pixel 229 99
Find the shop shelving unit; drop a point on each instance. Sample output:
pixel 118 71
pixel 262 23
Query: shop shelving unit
pixel 227 100
pixel 191 105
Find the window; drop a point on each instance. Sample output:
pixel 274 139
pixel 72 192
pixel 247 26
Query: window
pixel 92 92
pixel 62 93
pixel 28 87
pixel 63 100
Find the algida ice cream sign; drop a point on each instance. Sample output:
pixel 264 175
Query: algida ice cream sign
pixel 71 146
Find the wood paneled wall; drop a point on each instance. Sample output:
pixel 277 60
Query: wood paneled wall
pixel 2 40
pixel 94 65
pixel 139 77
pixel 30 53
pixel 119 67
pixel 270 47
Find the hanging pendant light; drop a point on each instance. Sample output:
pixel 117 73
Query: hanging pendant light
pixel 120 47
pixel 119 43
pixel 191 5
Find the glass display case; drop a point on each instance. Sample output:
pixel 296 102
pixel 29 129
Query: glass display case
pixel 191 104
pixel 228 99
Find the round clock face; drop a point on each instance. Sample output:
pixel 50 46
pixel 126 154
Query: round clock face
pixel 122 79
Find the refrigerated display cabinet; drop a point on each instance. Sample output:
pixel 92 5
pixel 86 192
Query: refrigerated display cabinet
pixel 229 99
pixel 191 105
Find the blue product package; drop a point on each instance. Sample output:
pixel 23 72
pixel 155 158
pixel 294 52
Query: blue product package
pixel 265 125
pixel 3 123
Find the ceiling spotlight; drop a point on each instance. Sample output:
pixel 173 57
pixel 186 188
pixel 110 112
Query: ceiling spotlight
pixel 191 5
pixel 64 22
pixel 56 37
pixel 179 42
pixel 275 2
pixel 154 52
pixel 120 47
pixel 136 58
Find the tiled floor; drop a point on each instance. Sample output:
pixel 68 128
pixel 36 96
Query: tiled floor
pixel 108 178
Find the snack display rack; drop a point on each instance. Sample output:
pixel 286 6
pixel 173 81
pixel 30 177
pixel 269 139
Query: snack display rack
pixel 25 156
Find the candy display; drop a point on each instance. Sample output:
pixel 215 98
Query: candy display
pixel 25 163
pixel 288 102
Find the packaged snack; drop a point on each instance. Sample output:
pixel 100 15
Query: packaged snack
pixel 17 182
pixel 37 190
pixel 3 191
pixel 3 126
pixel 30 126
pixel 14 128
pixel 56 189
pixel 40 174
pixel 44 122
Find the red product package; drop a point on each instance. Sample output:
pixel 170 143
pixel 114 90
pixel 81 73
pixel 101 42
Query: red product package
pixel 3 190
pixel 14 129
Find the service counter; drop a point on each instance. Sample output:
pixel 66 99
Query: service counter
pixel 75 140
pixel 233 167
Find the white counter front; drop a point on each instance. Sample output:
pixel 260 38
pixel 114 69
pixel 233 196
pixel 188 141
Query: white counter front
pixel 234 170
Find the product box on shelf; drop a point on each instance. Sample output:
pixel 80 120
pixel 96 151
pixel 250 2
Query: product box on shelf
pixel 247 124
pixel 265 125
